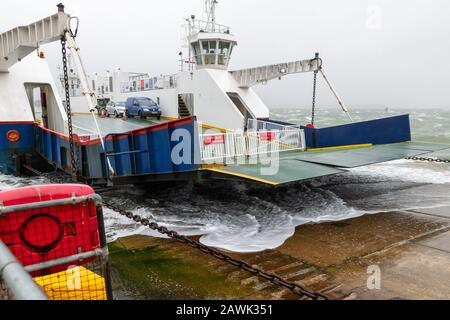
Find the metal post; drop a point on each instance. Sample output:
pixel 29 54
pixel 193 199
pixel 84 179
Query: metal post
pixel 344 108
pixel 18 281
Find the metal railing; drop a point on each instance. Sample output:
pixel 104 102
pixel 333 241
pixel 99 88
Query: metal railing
pixel 266 142
pixel 149 84
pixel 260 125
pixel 197 26
pixel 222 147
pixel 17 281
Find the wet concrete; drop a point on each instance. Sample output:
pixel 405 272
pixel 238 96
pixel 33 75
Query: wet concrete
pixel 411 250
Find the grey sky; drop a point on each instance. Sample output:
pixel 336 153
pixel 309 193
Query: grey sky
pixel 376 52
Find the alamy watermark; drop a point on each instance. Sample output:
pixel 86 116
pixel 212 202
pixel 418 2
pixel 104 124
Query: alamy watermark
pixel 374 280
pixel 216 148
pixel 374 21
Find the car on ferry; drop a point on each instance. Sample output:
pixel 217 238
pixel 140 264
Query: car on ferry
pixel 116 109
pixel 142 107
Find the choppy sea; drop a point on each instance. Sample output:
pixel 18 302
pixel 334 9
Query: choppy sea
pixel 244 218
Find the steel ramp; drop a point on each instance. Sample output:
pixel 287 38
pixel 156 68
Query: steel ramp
pixel 358 157
pixel 296 167
pixel 290 170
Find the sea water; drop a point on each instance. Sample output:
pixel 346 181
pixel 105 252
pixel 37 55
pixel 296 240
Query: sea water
pixel 246 218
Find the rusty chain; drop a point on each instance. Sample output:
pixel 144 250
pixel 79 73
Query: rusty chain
pixel 428 160
pixel 275 279
pixel 68 109
pixel 313 114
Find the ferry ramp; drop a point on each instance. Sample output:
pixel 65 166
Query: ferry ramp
pixel 302 166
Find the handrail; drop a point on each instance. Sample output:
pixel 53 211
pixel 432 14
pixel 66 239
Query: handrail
pixel 17 279
pixel 95 198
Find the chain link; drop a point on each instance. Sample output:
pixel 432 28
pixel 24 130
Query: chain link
pixel 313 116
pixel 428 160
pixel 275 279
pixel 69 110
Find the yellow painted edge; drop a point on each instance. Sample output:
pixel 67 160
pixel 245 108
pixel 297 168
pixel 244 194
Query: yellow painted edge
pixel 354 146
pixel 212 166
pixel 207 126
pixel 244 176
pixel 168 118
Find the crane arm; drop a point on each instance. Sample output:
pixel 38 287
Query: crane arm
pixel 19 42
pixel 259 75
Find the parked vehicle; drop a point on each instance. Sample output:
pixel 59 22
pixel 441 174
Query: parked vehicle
pixel 116 109
pixel 101 106
pixel 142 107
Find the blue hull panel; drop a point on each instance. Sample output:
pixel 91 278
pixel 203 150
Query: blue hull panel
pixel 380 131
pixel 146 151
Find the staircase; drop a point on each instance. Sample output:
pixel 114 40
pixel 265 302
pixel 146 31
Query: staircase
pixel 183 110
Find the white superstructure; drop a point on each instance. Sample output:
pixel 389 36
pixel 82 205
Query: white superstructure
pixel 28 91
pixel 205 87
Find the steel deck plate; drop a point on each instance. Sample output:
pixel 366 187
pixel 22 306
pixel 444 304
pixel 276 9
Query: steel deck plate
pixel 112 125
pixel 352 158
pixel 307 165
pixel 289 171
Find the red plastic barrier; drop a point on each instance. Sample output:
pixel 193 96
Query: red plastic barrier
pixel 38 235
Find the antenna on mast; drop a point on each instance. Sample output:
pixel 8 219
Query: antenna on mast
pixel 211 12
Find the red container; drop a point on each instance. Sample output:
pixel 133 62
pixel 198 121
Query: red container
pixel 36 235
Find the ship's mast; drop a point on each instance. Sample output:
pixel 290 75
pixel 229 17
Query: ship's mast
pixel 210 6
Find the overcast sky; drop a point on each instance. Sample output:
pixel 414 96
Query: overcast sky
pixel 376 52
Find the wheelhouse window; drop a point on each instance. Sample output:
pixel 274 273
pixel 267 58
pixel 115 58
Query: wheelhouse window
pixel 224 52
pixel 209 51
pixel 197 53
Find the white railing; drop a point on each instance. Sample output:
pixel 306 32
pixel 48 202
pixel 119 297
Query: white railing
pixel 198 26
pixel 222 147
pixel 259 125
pixel 265 142
pixel 148 84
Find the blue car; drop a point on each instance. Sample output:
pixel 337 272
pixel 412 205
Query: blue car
pixel 143 108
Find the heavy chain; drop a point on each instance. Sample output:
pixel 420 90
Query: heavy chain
pixel 428 160
pixel 275 279
pixel 313 116
pixel 69 110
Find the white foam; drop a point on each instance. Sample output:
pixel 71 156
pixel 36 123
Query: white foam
pixel 407 171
